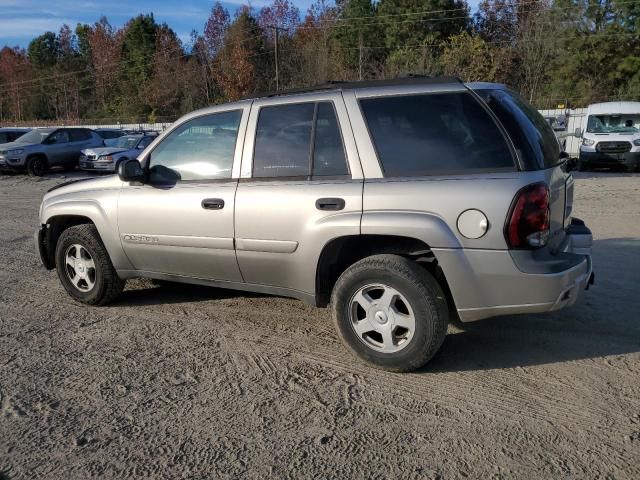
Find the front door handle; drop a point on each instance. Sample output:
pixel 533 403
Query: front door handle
pixel 330 203
pixel 213 204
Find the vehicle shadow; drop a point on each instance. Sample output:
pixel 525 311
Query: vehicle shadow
pixel 156 292
pixel 603 322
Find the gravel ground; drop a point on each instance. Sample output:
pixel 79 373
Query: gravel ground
pixel 192 382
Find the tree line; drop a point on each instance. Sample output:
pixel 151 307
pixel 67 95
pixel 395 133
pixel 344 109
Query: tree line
pixel 570 52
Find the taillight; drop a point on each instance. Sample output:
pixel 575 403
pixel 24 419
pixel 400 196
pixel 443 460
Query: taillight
pixel 528 225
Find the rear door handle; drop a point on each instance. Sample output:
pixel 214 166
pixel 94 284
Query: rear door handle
pixel 330 204
pixel 213 204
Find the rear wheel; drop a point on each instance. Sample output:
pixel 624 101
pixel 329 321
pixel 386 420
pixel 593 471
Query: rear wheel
pixel 37 166
pixel 390 312
pixel 84 267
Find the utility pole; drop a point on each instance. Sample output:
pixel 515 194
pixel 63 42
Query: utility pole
pixel 276 30
pixel 360 55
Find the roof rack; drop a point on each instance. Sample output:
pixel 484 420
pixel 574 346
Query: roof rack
pixel 343 85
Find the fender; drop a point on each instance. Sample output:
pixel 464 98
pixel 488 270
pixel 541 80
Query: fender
pixel 424 226
pixel 100 213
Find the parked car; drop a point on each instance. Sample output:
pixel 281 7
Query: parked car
pixel 109 135
pixel 43 148
pixel 612 137
pixel 397 203
pixel 106 159
pixel 11 134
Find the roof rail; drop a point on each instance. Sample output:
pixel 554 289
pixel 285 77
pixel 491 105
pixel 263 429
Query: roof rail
pixel 343 85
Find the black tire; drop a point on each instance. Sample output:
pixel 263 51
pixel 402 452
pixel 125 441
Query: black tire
pixel 108 285
pixel 37 166
pixel 422 292
pixel 581 166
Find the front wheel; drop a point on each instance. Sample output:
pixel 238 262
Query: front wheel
pixel 37 166
pixel 84 267
pixel 390 312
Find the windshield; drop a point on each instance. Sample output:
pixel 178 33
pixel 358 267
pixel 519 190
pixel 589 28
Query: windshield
pixel 613 123
pixel 34 136
pixel 129 142
pixel 530 133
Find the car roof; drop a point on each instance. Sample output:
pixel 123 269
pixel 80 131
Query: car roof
pixel 614 108
pixel 410 83
pixel 14 129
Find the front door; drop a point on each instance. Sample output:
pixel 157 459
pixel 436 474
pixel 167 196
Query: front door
pixel 180 220
pixel 57 147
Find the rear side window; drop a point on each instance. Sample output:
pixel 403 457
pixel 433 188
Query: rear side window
pixel 5 137
pixel 77 135
pixel 428 134
pixel 298 140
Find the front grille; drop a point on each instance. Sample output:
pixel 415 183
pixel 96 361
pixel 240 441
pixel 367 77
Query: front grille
pixel 613 147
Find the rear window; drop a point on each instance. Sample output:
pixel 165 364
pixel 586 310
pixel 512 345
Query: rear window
pixel 530 133
pixel 436 133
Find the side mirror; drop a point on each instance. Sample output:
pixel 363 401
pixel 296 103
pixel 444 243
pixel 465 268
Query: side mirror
pixel 130 171
pixel 570 164
pixel 577 133
pixel 52 140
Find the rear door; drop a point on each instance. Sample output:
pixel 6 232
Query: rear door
pixel 301 186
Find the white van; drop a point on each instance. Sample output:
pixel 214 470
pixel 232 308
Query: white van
pixel 612 136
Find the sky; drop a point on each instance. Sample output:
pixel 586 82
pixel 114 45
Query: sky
pixel 22 20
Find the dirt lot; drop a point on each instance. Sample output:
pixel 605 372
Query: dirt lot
pixel 195 382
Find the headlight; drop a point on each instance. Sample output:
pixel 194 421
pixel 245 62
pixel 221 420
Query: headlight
pixel 17 151
pixel 587 142
pixel 636 142
pixel 106 158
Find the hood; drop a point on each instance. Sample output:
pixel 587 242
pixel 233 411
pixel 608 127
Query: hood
pixel 15 145
pixel 83 185
pixel 103 151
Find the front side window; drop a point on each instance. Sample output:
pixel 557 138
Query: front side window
pixel 298 140
pixel 61 136
pixel 200 149
pixel 428 134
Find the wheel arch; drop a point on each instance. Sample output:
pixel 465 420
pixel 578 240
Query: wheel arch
pixel 63 215
pixel 340 253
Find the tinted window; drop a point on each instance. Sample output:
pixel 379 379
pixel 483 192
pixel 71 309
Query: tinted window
pixel 199 149
pixel 77 135
pixel 61 136
pixel 14 136
pixel 530 133
pixel 426 134
pixel 144 143
pixel 328 152
pixel 4 137
pixel 283 141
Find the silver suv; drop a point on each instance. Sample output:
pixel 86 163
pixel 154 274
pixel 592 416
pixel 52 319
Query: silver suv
pixel 43 148
pixel 398 203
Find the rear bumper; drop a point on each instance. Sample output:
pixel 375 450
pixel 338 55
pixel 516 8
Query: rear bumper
pixel 488 283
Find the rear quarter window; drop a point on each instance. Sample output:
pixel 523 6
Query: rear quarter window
pixel 533 138
pixel 430 134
